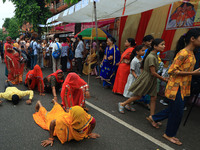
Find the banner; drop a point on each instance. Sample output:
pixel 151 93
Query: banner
pixel 185 14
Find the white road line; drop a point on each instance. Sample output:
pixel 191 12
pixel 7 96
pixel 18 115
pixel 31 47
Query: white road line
pixel 148 137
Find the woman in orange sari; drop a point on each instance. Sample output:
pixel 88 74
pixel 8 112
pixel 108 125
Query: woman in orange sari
pixel 75 124
pixel 74 91
pixel 124 67
pixel 35 78
pixel 12 62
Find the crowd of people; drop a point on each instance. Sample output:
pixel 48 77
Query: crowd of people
pixel 134 74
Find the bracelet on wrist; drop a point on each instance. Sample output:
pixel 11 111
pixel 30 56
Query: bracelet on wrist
pixel 51 139
pixel 54 96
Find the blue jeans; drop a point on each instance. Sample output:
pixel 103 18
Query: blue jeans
pixel 174 113
pixel 33 61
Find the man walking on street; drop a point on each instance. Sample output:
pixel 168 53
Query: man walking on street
pixel 79 54
pixel 56 61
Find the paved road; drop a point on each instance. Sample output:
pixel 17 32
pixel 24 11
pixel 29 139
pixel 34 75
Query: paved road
pixel 118 131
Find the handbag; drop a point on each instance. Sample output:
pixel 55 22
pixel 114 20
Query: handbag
pixel 56 54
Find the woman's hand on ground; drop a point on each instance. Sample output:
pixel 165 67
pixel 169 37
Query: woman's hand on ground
pixel 28 102
pixel 93 135
pixel 87 94
pixel 42 94
pixel 47 142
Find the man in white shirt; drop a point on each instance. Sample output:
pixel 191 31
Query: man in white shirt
pixel 56 62
pixel 79 54
pixel 35 53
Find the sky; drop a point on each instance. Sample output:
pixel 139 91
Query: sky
pixel 6 11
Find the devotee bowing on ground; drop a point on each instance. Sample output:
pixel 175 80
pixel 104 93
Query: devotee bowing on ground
pixel 35 78
pixel 53 83
pixel 74 91
pixel 14 95
pixel 74 125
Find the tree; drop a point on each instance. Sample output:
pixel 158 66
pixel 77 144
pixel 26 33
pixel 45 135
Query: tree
pixel 33 11
pixel 6 23
pixel 13 28
pixel 2 35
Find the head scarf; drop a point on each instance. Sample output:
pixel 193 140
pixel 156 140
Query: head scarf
pixel 34 74
pixel 56 75
pixel 80 119
pixel 13 60
pixel 37 72
pixel 73 85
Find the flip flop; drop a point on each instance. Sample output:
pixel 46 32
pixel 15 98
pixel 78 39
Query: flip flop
pixel 129 108
pixel 172 139
pixel 120 108
pixel 153 123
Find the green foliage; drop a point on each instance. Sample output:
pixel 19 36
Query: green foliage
pixel 13 28
pixel 2 36
pixel 32 11
pixel 6 23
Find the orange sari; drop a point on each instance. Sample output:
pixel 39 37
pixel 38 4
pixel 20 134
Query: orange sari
pixel 73 125
pixel 122 72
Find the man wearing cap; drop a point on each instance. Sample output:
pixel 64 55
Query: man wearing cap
pixel 14 95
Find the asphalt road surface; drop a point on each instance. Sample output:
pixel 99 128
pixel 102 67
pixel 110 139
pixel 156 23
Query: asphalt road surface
pixel 129 131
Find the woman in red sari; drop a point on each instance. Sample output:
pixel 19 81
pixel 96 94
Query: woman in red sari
pixel 12 62
pixel 124 67
pixel 74 91
pixel 35 78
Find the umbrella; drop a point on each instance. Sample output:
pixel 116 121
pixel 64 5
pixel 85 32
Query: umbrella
pixel 90 34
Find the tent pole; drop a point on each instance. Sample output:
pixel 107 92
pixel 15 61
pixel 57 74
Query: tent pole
pixel 97 40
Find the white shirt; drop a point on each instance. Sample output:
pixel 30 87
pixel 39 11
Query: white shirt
pixel 79 50
pixel 55 47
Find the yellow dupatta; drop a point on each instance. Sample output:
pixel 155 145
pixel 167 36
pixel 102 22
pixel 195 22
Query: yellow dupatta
pixel 68 125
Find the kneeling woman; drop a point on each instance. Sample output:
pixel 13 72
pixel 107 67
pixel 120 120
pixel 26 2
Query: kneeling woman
pixel 76 124
pixel 53 82
pixel 35 78
pixel 74 91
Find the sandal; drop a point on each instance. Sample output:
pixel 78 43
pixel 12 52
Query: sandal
pixel 172 139
pixel 129 108
pixel 120 108
pixel 153 123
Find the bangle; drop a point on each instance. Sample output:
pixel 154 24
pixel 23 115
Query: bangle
pixel 87 90
pixel 54 96
pixel 51 139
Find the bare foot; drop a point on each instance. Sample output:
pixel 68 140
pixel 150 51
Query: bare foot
pixel 42 94
pixel 172 139
pixel 94 135
pixel 38 105
pixel 153 123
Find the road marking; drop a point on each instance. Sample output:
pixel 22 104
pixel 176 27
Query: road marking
pixel 141 133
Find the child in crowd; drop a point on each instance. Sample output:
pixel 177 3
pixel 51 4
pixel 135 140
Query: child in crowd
pixel 134 70
pixel 47 55
pixel 146 83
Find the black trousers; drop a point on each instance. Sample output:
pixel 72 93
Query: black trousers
pixel 64 63
pixel 79 65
